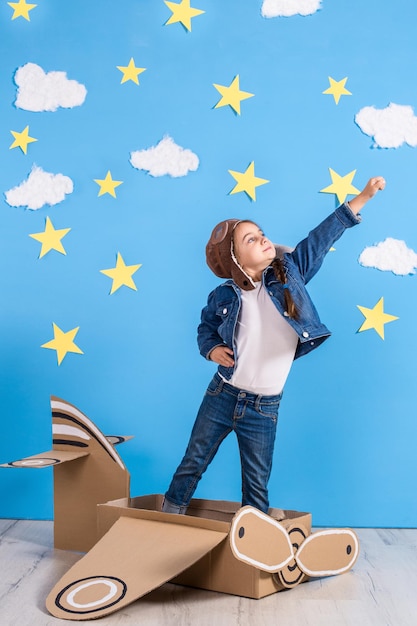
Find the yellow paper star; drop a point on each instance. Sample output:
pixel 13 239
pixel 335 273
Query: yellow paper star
pixel 375 318
pixel 182 12
pixel 247 181
pixel 63 343
pixel 337 89
pixel 341 185
pixel 232 95
pixel 121 274
pixel 21 9
pixel 131 72
pixel 108 185
pixel 51 238
pixel 21 140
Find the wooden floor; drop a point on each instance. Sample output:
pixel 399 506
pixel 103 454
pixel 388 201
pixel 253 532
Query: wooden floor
pixel 381 590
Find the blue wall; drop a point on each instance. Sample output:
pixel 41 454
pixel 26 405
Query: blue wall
pixel 346 438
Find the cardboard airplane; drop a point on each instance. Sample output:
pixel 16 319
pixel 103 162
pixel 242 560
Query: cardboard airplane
pixel 133 548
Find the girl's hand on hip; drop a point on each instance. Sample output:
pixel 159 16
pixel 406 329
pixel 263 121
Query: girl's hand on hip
pixel 223 356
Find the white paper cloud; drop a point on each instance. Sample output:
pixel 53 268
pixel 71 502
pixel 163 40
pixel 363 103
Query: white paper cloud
pixel 287 8
pixel 391 255
pixel 165 158
pixel 40 188
pixel 40 91
pixel 389 127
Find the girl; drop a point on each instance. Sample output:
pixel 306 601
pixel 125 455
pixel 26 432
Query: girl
pixel 254 325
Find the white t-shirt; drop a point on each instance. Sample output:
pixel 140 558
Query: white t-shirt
pixel 265 343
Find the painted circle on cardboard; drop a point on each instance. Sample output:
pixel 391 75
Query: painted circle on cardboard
pixel 114 590
pixel 40 462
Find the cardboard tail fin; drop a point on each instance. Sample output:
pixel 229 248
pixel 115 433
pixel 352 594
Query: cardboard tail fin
pixel 95 475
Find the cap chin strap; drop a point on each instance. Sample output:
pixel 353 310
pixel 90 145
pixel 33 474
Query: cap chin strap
pixel 236 262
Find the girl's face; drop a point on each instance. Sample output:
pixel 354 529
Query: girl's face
pixel 253 250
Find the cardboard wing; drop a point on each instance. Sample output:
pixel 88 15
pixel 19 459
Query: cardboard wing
pixel 134 557
pixel 55 456
pixel 95 475
pixel 46 459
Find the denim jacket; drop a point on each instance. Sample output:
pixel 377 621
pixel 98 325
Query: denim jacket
pixel 220 315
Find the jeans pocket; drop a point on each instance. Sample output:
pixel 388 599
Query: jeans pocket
pixel 214 387
pixel 269 409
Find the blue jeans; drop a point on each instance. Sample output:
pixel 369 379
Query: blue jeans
pixel 254 420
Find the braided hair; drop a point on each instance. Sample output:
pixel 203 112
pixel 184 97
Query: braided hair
pixel 279 271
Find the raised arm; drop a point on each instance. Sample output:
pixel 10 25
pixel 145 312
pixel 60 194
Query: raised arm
pixel 310 252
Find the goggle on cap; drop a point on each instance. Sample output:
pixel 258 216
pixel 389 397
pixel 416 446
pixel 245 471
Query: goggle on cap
pixel 220 257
